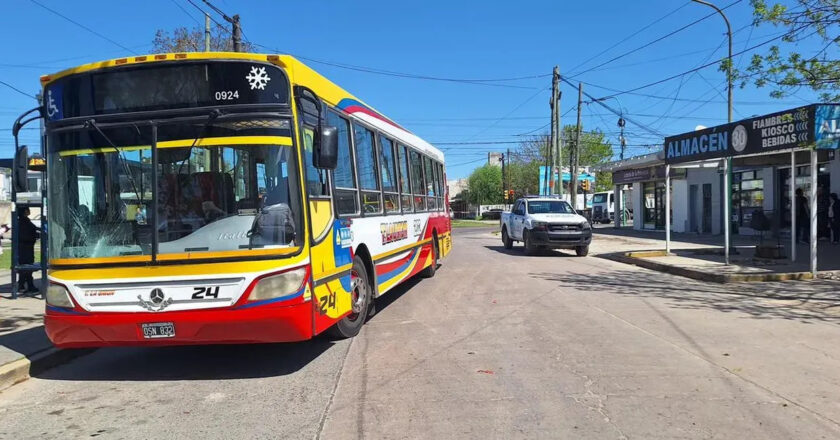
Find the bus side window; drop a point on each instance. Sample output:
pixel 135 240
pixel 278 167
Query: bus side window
pixel 405 185
pixel 430 184
pixel 417 185
pixel 443 188
pixel 388 173
pixel 367 170
pixel 346 194
pixel 316 180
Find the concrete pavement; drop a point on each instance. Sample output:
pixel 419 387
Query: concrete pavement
pixel 497 345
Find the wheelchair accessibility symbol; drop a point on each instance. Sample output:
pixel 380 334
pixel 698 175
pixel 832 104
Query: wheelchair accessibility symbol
pixel 53 104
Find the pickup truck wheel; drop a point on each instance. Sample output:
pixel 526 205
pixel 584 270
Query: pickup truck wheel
pixel 582 251
pixel 526 240
pixel 506 239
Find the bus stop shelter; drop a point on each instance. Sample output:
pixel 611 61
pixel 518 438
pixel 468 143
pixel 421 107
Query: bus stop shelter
pixel 803 129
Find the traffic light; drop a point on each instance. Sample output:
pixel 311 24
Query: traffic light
pixel 585 185
pixel 510 195
pixel 505 192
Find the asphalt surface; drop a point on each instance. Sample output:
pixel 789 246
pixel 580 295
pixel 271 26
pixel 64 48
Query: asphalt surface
pixel 496 345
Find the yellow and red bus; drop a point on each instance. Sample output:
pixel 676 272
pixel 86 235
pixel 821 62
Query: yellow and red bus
pixel 204 198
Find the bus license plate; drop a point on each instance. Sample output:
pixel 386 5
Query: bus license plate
pixel 157 330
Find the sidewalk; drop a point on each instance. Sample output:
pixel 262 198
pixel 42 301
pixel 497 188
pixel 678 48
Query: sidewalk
pixel 24 347
pixel 701 256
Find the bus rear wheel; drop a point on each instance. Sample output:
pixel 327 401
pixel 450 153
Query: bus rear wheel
pixel 430 271
pixel 361 297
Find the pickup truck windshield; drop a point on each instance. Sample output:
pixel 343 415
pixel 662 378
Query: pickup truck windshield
pixel 549 207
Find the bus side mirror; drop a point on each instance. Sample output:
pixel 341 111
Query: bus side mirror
pixel 21 165
pixel 326 153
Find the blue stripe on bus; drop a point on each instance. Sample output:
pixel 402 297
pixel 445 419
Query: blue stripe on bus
pixel 398 270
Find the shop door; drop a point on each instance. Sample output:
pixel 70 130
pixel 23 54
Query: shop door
pixel 659 201
pixel 692 208
pixel 707 208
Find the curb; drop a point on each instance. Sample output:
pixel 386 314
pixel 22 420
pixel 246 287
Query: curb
pixel 22 369
pixel 638 259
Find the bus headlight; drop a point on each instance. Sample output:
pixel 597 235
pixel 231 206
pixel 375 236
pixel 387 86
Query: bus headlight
pixel 276 286
pixel 58 296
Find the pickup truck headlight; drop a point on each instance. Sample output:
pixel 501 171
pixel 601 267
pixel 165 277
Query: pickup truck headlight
pixel 585 226
pixel 539 226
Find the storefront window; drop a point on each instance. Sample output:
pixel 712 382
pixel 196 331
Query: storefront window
pixel 747 196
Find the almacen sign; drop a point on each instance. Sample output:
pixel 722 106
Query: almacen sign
pixel 816 125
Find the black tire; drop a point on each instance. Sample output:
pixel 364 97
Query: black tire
pixel 582 251
pixel 362 296
pixel 506 239
pixel 526 242
pixel 432 269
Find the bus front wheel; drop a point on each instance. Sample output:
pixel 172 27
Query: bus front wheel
pixel 361 297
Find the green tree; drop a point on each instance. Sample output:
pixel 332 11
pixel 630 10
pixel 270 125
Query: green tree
pixel 603 181
pixel 524 177
pixel 183 39
pixel 485 185
pixel 785 68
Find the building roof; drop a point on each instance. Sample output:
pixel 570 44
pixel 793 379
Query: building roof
pixel 643 161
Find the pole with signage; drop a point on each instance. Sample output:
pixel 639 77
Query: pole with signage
pixel 793 230
pixel 667 209
pixel 813 240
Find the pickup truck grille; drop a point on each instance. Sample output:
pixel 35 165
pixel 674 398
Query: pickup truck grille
pixel 559 227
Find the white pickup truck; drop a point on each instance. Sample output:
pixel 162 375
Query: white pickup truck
pixel 546 223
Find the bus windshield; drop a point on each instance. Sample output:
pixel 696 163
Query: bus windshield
pixel 215 193
pixel 599 198
pixel 549 207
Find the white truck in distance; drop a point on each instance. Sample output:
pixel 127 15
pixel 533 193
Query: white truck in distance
pixel 546 223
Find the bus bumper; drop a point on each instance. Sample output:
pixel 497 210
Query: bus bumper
pixel 71 329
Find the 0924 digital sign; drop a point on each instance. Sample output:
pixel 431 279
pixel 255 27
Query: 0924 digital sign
pixel 173 85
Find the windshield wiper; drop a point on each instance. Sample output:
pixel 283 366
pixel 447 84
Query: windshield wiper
pixel 91 123
pixel 214 114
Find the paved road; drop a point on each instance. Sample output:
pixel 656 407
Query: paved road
pixel 497 345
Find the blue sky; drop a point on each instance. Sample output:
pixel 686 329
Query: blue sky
pixel 446 39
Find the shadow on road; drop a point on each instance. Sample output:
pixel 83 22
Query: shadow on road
pixel 804 301
pixel 518 250
pixel 207 362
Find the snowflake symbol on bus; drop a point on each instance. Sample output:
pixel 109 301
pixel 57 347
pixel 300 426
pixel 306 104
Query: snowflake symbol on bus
pixel 258 79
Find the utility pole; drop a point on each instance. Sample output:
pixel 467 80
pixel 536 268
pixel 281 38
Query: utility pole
pixel 727 162
pixel 573 155
pixel 237 34
pixel 555 129
pixel 207 32
pixel 507 180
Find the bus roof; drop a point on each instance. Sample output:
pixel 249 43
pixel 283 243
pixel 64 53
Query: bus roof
pixel 299 73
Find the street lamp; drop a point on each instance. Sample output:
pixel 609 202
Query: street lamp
pixel 727 181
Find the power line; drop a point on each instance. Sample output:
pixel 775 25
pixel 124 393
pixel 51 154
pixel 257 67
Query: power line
pixel 628 37
pixel 377 71
pixel 694 69
pixel 83 26
pixel 174 2
pixel 17 89
pixel 211 17
pixel 658 39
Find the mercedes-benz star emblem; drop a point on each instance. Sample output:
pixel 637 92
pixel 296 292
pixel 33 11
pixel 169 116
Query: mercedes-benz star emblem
pixel 156 296
pixel 157 301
